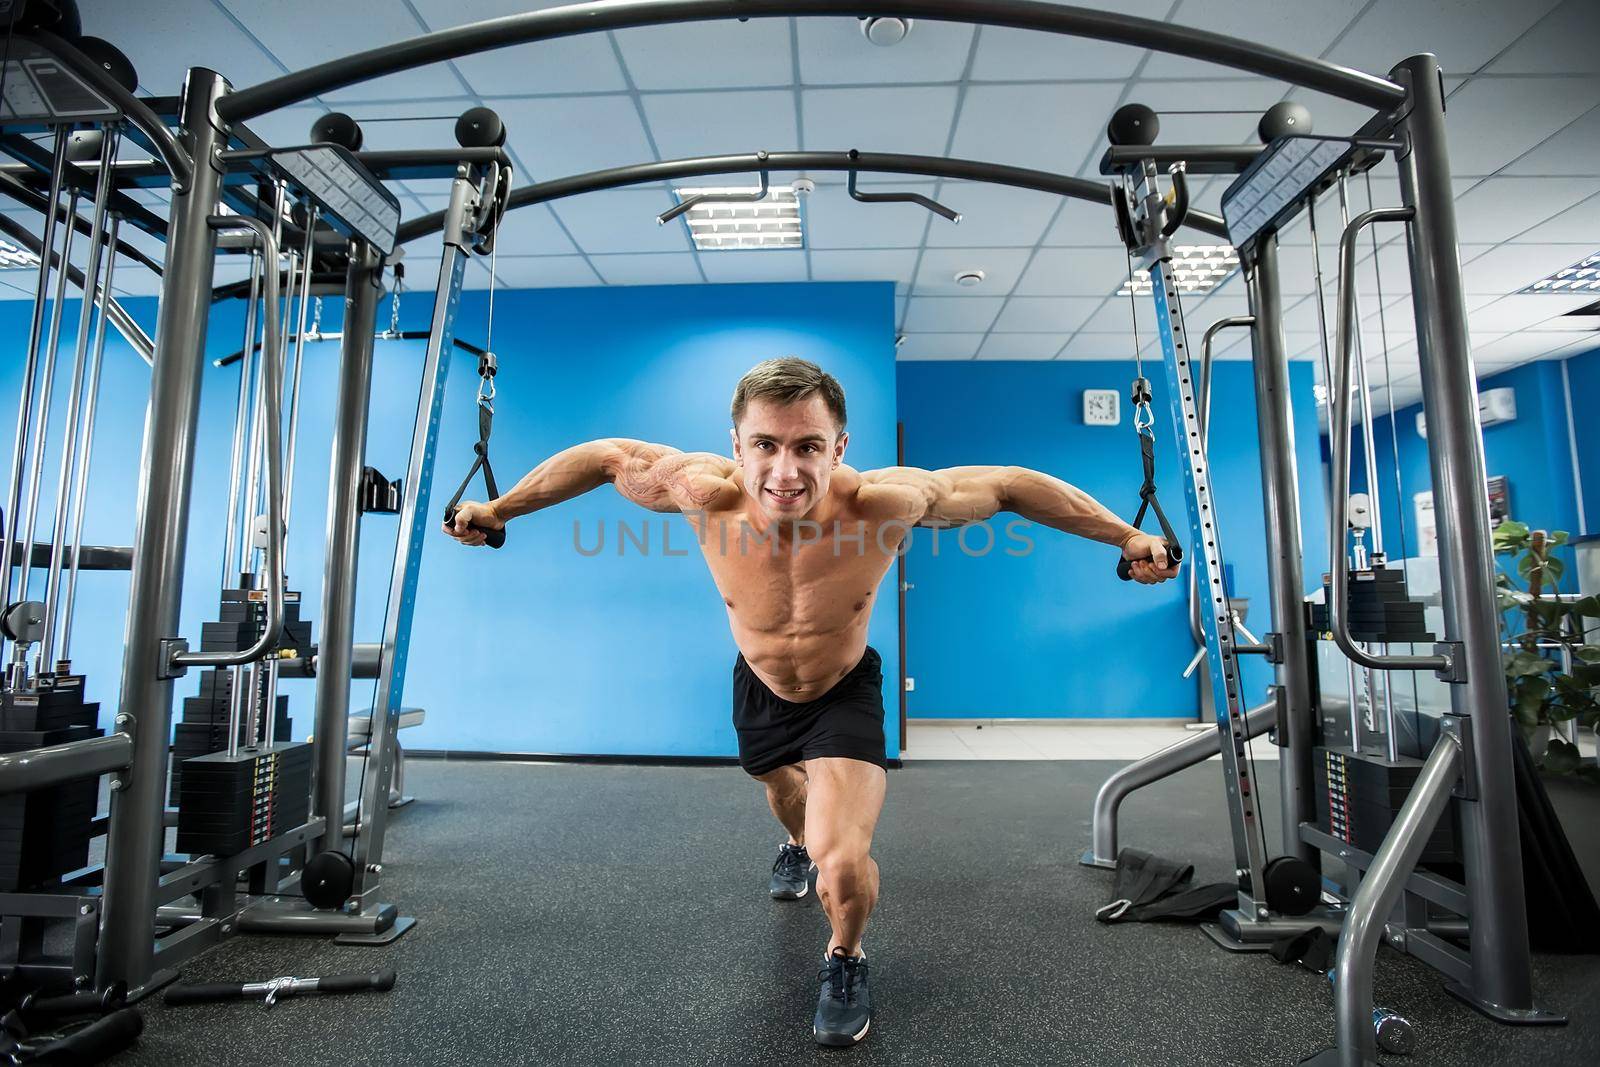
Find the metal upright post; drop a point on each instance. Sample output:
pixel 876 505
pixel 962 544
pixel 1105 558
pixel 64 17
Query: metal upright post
pixel 134 841
pixel 1280 488
pixel 1501 983
pixel 363 292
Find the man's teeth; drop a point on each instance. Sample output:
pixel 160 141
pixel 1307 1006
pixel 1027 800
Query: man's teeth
pixel 786 493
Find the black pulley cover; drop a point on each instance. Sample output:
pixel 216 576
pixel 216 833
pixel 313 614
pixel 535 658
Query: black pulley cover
pixel 1293 886
pixel 328 879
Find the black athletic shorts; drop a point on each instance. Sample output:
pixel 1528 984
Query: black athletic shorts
pixel 845 721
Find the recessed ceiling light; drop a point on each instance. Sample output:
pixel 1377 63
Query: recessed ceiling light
pixel 1195 268
pixel 1581 277
pixel 15 258
pixel 771 222
pixel 969 278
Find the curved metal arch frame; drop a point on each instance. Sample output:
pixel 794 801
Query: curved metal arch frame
pixel 879 162
pixel 576 19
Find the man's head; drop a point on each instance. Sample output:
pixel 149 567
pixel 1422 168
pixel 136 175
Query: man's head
pixel 788 434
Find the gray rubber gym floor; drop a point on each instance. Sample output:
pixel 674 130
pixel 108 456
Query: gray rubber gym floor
pixel 586 914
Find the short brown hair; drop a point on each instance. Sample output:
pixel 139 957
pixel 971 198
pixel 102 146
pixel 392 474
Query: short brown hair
pixel 788 380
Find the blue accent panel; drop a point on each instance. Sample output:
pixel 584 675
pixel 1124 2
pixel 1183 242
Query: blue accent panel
pixel 1051 631
pixel 535 647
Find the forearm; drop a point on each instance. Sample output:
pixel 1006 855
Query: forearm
pixel 1054 503
pixel 569 473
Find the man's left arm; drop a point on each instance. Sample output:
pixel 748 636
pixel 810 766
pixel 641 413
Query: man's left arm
pixel 957 496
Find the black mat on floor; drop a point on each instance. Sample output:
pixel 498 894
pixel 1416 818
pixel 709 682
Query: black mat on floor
pixel 576 914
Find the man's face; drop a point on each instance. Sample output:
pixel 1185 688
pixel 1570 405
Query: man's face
pixel 787 454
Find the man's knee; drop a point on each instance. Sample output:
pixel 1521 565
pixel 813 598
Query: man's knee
pixel 847 865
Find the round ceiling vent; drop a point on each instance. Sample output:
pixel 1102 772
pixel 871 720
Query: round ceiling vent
pixel 969 277
pixel 885 31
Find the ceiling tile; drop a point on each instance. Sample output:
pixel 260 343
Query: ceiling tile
pixel 555 138
pixel 1574 150
pixel 1520 312
pixel 1562 43
pixel 835 51
pixel 915 121
pixel 305 32
pixel 708 55
pixel 1000 123
pixel 1491 121
pixel 1171 98
pixel 1464 34
pixel 1074 272
pixel 1025 55
pixel 288 125
pixel 1218 305
pixel 833 220
pixel 1581 222
pixel 1001 267
pixel 581 64
pixel 1030 346
pixel 1507 268
pixel 1305 29
pixel 1041 314
pixel 543 272
pixel 951 313
pixel 525 231
pixel 621 220
pixel 864 265
pixel 164 40
pixel 709 124
pixel 1112 346
pixel 939 346
pixel 1084 222
pixel 766 265
pixel 1501 208
pixel 992 216
pixel 670 268
pixel 1523 346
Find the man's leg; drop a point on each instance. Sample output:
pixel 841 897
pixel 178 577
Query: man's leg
pixel 844 798
pixel 786 795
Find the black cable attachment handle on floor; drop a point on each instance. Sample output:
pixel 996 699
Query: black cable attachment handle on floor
pixel 488 366
pixel 1147 491
pixel 276 989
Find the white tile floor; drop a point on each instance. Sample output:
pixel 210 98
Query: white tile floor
pixel 1024 739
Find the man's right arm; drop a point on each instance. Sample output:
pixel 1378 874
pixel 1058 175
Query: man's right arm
pixel 657 477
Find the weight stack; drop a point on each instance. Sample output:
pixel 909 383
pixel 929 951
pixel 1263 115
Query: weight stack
pixel 1381 610
pixel 204 726
pixel 230 803
pixel 45 833
pixel 1358 797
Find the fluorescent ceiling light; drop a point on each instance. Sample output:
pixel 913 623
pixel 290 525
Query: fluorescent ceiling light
pixel 771 222
pixel 1195 268
pixel 14 258
pixel 1581 277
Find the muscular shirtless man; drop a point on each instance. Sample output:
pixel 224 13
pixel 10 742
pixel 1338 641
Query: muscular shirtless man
pixel 797 544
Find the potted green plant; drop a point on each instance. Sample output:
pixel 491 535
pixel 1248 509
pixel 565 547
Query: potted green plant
pixel 1552 660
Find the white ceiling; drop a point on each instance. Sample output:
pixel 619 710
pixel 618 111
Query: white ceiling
pixel 1524 119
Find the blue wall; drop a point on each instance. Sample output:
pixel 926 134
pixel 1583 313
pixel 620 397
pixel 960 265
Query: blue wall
pixel 535 647
pixel 1055 633
pixel 1533 452
pixel 1583 375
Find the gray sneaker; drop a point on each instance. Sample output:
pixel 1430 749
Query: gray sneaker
pixel 844 1004
pixel 791 873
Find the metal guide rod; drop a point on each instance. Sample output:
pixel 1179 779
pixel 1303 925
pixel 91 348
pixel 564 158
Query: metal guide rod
pixel 52 346
pixel 1280 491
pixel 416 521
pixel 134 842
pixel 306 255
pixel 1206 546
pixel 1491 850
pixel 58 534
pixel 30 372
pixel 1369 448
pixel 335 651
pixel 241 418
pixel 86 452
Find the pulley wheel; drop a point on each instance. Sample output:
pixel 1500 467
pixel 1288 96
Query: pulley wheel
pixel 327 880
pixel 1292 886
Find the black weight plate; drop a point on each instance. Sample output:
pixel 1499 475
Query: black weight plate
pixel 1293 886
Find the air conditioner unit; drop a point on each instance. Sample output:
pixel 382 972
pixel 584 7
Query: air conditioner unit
pixel 1494 407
